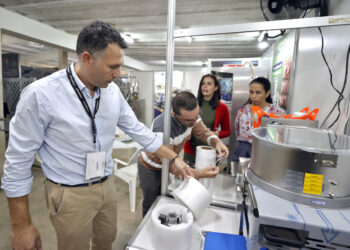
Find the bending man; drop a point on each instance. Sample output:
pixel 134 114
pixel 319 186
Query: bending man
pixel 185 122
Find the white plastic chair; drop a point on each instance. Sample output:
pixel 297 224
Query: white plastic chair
pixel 129 175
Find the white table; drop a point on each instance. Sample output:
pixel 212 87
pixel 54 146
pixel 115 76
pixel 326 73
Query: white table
pixel 213 219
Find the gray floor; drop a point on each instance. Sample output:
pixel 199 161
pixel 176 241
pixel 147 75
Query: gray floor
pixel 127 221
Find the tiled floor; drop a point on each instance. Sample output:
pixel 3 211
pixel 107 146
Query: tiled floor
pixel 127 221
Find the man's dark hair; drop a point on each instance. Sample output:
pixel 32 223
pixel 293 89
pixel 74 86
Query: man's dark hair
pixel 184 100
pixel 96 36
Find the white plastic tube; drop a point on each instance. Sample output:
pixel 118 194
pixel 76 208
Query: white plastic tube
pixel 206 156
pixel 193 195
pixel 172 237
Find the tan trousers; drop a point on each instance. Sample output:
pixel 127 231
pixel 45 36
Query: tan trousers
pixel 83 214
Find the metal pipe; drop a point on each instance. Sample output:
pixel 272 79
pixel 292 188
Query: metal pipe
pixel 262 26
pixel 168 89
pixel 254 204
pixel 294 70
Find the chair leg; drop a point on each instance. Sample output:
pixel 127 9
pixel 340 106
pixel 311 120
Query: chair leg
pixel 132 194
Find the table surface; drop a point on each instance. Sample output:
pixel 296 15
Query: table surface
pixel 213 219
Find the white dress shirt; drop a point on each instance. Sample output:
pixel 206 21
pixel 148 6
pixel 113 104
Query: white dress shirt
pixel 51 120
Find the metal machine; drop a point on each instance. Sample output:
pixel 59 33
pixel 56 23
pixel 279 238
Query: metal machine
pixel 299 189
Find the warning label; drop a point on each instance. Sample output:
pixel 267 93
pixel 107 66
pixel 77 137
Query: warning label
pixel 313 184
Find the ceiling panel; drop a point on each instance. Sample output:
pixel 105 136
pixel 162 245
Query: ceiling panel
pixel 146 23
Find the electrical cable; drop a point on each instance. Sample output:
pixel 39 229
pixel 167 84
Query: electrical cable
pixel 331 144
pixel 307 12
pixel 262 10
pixel 306 8
pixel 340 98
pixel 340 93
pixel 280 34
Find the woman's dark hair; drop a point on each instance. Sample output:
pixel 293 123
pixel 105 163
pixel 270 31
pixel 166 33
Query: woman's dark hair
pixel 96 36
pixel 266 84
pixel 214 102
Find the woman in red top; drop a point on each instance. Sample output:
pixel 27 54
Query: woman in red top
pixel 214 114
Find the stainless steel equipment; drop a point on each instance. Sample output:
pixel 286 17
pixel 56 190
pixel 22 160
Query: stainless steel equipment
pixel 283 225
pixel 266 121
pixel 304 165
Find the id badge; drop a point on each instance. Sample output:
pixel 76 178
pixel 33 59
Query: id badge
pixel 95 165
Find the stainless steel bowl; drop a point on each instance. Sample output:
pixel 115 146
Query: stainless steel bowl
pixel 304 165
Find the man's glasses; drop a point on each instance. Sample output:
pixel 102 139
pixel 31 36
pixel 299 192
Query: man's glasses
pixel 187 121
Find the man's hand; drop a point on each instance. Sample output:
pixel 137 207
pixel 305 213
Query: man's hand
pixel 180 169
pixel 221 149
pixel 26 238
pixel 207 172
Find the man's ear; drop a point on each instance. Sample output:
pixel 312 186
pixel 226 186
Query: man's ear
pixel 87 58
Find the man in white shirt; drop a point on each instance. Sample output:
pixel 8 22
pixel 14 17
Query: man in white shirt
pixel 69 118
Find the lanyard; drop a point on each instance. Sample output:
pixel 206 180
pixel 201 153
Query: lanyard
pixel 84 102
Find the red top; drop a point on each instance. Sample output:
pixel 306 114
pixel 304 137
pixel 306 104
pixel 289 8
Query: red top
pixel 222 119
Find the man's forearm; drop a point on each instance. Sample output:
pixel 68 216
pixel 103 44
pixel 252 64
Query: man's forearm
pixel 19 211
pixel 213 141
pixel 164 151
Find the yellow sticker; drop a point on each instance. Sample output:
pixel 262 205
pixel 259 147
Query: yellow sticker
pixel 313 184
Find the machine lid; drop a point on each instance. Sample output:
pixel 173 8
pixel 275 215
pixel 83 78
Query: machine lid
pixel 304 138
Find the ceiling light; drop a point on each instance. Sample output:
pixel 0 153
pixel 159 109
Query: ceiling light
pixel 262 36
pixel 263 45
pixel 189 39
pixel 204 68
pixel 127 38
pixel 251 34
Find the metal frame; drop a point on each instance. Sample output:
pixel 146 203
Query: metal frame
pixel 225 29
pixel 308 200
pixel 262 26
pixel 168 88
pixel 294 65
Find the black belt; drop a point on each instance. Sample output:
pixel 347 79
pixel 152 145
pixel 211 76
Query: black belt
pixel 82 184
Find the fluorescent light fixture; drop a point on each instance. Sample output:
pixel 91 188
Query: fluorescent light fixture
pixel 263 45
pixel 251 34
pixel 204 68
pixel 261 36
pixel 189 39
pixel 127 38
pixel 37 45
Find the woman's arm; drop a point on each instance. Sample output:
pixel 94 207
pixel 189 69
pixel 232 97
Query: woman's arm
pixel 225 122
pixel 237 121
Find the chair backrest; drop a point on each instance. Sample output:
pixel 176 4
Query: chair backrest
pixel 134 155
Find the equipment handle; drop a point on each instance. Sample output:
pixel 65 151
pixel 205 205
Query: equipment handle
pixel 285 236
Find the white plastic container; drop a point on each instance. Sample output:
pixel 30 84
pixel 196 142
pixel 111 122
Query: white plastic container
pixel 172 237
pixel 193 195
pixel 206 156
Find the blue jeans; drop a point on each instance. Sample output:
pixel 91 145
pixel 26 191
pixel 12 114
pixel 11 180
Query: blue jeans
pixel 242 149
